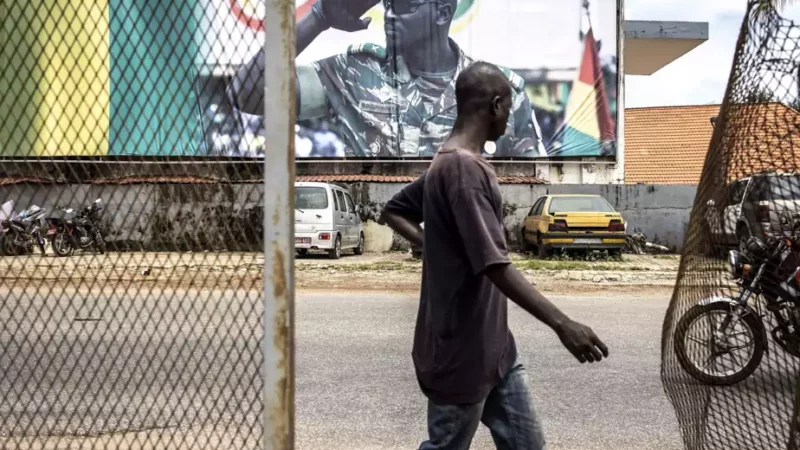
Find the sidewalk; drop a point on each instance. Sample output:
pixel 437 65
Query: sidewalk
pixel 384 272
pixel 399 272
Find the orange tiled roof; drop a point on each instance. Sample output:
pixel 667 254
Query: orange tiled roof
pixel 356 178
pixel 667 145
pixel 399 179
pixel 520 180
pixel 761 138
pixel 315 178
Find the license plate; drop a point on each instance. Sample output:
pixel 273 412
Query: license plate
pixel 302 240
pixel 588 241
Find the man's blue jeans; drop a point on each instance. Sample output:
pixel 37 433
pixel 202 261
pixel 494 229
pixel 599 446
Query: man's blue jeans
pixel 508 413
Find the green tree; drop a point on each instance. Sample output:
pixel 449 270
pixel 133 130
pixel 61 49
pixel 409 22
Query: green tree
pixel 760 95
pixel 765 6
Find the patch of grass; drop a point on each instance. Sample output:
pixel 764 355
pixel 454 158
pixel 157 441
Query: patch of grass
pixel 521 262
pixel 550 264
pixel 539 264
pixel 378 266
pixel 672 257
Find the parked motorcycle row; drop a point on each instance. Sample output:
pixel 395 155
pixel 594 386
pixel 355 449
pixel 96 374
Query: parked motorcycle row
pixel 64 229
pixel 722 339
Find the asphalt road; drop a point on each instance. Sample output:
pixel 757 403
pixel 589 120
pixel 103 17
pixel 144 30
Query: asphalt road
pixel 162 366
pixel 356 388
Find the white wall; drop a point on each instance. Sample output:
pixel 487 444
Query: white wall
pixel 586 173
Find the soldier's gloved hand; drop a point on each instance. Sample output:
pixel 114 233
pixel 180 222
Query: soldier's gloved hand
pixel 344 15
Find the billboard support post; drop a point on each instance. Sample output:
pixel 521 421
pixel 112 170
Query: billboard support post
pixel 278 325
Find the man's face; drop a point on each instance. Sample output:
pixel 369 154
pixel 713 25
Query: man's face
pixel 501 108
pixel 411 23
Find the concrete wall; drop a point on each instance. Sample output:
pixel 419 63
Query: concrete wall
pixel 169 217
pixel 230 216
pixel 661 212
pixel 587 170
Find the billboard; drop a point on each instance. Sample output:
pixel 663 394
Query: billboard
pixel 375 79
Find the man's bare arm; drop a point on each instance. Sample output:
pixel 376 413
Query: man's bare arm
pixel 248 82
pixel 579 339
pixel 404 227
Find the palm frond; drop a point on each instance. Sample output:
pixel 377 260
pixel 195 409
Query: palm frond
pixel 765 7
pixel 774 4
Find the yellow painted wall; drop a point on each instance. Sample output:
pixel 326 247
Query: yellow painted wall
pixel 55 78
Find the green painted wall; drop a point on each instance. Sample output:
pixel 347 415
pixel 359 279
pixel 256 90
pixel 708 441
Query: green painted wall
pixel 154 106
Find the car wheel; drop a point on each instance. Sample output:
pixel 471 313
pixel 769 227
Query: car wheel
pixel 302 253
pixel 526 246
pixel 541 249
pixel 336 252
pixel 360 249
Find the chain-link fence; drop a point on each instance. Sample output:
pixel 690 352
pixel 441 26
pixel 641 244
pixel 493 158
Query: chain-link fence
pixel 132 267
pixel 731 337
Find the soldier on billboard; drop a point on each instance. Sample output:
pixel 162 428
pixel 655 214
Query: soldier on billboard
pixel 397 101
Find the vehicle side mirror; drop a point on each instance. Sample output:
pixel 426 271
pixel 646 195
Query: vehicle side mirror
pixel 359 209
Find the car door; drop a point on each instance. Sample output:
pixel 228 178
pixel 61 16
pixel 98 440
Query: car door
pixel 341 220
pixel 733 208
pixel 355 220
pixel 533 219
pixel 538 216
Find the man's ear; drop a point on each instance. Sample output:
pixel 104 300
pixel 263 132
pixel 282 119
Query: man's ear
pixel 497 104
pixel 444 14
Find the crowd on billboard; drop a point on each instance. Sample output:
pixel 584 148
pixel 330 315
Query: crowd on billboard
pixel 375 79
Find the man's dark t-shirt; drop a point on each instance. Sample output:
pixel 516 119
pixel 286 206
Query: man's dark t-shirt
pixel 462 343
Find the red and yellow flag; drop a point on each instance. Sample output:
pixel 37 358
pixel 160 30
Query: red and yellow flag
pixel 588 123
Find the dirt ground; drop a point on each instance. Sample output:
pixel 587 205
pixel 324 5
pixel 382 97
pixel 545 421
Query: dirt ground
pixel 379 272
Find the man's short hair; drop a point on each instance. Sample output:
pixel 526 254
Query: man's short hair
pixel 477 85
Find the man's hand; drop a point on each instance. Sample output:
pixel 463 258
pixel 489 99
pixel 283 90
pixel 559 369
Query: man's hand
pixel 581 341
pixel 344 15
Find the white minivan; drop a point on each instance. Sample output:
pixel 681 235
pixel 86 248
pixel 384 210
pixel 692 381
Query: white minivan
pixel 326 219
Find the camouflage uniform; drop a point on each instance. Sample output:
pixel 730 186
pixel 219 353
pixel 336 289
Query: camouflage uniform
pixel 357 90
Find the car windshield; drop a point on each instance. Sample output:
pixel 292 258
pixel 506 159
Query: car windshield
pixel 310 198
pixel 579 204
pixel 780 188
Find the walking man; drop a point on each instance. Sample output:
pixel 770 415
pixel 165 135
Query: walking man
pixel 464 354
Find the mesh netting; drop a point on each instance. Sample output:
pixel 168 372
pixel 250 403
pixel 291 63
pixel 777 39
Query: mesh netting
pixel 131 270
pixel 731 335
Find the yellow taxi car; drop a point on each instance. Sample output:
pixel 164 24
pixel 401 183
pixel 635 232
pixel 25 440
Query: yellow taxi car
pixel 573 222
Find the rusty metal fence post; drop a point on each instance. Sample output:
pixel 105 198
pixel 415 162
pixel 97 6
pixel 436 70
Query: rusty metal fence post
pixel 279 120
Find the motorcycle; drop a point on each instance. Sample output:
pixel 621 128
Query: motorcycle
pixel 734 328
pixel 20 234
pixel 80 232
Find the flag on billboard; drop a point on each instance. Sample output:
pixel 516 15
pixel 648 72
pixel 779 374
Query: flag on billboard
pixel 116 80
pixel 588 127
